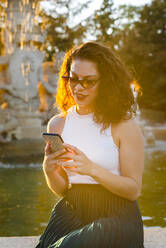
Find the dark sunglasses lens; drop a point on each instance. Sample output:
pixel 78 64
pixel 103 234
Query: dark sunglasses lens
pixel 89 83
pixel 73 80
pixel 86 84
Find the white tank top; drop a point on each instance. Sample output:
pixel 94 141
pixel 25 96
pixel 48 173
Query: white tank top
pixel 81 131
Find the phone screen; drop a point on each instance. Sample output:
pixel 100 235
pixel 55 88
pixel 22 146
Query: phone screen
pixel 54 139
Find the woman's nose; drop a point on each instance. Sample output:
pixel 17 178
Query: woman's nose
pixel 78 86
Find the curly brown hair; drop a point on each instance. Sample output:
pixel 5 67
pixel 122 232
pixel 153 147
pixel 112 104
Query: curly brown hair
pixel 115 100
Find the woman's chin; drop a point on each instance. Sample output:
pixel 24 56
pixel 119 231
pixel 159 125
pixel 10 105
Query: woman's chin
pixel 80 102
pixel 81 105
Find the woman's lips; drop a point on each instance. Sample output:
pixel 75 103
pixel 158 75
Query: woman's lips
pixel 81 96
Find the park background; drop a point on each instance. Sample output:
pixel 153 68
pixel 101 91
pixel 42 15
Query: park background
pixel 138 34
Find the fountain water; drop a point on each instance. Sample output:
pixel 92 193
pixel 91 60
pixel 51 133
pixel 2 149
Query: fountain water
pixel 23 44
pixel 149 138
pixel 154 132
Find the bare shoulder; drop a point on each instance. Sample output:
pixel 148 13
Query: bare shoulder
pixel 56 124
pixel 129 125
pixel 125 130
pixel 129 129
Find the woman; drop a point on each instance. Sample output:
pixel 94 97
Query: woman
pixel 99 171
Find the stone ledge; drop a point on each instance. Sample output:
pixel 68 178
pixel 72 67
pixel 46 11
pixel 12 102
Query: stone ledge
pixel 18 242
pixel 154 238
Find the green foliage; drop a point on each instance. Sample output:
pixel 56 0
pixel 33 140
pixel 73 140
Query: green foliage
pixel 144 47
pixel 60 35
pixel 139 36
pixel 103 22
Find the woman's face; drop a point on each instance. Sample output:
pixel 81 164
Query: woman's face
pixel 84 94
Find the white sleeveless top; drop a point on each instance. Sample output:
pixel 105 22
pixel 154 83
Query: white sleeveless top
pixel 82 132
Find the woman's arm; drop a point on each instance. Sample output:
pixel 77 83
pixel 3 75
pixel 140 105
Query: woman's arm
pixel 131 158
pixel 56 177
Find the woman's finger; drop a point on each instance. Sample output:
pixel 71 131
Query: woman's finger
pixel 68 164
pixel 55 162
pixel 73 169
pixel 70 156
pixel 73 148
pixel 57 153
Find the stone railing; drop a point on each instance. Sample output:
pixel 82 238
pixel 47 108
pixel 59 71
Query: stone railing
pixel 154 238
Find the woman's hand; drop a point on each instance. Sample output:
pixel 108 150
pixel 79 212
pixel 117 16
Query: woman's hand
pixel 56 176
pixel 50 159
pixel 80 164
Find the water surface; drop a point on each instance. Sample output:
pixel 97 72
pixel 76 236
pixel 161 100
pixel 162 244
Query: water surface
pixel 26 201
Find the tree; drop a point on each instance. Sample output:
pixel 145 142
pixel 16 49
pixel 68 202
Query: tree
pixel 102 23
pixel 144 47
pixel 103 20
pixel 60 35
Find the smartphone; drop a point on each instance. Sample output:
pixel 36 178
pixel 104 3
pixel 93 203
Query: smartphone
pixel 55 141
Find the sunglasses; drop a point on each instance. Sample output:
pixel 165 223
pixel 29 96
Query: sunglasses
pixel 85 83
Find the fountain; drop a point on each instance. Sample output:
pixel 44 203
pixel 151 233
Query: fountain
pixel 26 94
pixel 149 138
pixel 27 83
pixel 24 60
pixel 153 129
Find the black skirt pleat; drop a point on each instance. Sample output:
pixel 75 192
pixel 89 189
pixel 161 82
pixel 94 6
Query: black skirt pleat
pixel 91 216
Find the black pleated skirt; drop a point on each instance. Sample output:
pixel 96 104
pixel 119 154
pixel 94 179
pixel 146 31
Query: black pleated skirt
pixel 90 216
